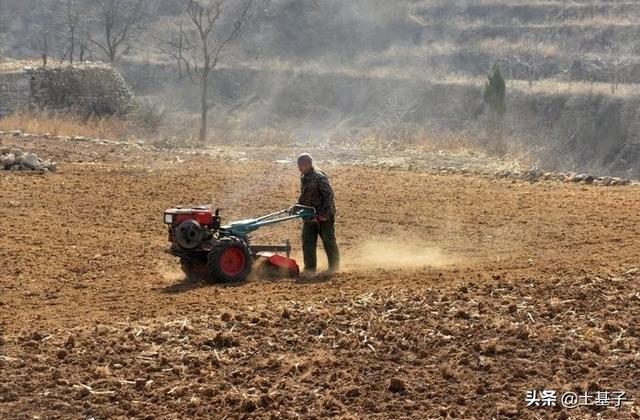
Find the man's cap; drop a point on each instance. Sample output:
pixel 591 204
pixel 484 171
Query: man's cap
pixel 305 157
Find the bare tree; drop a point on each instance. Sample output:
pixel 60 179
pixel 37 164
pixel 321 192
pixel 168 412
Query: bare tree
pixel 173 44
pixel 70 25
pixel 45 31
pixel 215 24
pixel 617 68
pixel 119 20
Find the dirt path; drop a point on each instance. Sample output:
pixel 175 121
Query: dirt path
pixel 468 291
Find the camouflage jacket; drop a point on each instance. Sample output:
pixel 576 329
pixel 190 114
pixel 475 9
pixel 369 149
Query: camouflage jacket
pixel 315 191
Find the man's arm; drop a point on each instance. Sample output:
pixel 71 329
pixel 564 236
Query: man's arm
pixel 301 196
pixel 327 209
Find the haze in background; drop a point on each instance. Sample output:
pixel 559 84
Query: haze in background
pixel 403 71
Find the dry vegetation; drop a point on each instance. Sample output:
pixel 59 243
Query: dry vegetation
pixel 66 125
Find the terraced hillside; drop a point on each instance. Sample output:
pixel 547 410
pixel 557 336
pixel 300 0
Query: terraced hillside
pixel 409 71
pixel 570 40
pixel 586 41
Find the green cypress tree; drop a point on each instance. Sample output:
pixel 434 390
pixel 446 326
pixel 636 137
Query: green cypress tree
pixel 495 90
pixel 494 96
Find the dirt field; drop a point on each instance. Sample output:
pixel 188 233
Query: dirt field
pixel 458 294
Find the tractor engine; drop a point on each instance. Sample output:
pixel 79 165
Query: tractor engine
pixel 189 228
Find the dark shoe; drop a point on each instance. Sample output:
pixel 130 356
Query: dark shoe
pixel 331 271
pixel 325 275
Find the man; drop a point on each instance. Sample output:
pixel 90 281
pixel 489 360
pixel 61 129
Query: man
pixel 316 192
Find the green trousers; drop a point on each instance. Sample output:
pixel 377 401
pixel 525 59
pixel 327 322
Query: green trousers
pixel 327 232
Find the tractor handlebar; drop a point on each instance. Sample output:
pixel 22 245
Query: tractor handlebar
pixel 245 227
pixel 302 211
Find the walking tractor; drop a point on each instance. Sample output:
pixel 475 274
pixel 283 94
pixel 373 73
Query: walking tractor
pixel 214 252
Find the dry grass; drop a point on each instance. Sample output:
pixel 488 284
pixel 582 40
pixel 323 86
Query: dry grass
pixel 435 76
pixel 596 22
pixel 11 66
pixel 66 125
pixel 8 65
pixel 502 45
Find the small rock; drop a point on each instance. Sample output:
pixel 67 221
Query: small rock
pixel 353 392
pixel 490 348
pixel 83 392
pixel 397 385
pixel 209 392
pixel 70 343
pixel 533 175
pixel 404 345
pixel 61 354
pixel 462 314
pixel 140 384
pixel 248 406
pixel 30 160
pixel 8 160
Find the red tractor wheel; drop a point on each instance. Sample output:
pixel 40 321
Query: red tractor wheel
pixel 229 261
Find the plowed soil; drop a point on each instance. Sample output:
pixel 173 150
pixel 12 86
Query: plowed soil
pixel 458 294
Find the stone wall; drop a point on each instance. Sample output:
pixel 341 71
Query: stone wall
pixel 86 90
pixel 14 91
pixel 97 91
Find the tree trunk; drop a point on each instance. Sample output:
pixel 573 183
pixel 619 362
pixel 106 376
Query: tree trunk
pixel 204 107
pixel 111 48
pixel 180 54
pixel 73 44
pixel 45 50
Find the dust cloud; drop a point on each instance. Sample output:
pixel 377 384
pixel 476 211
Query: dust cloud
pixel 385 254
pixel 170 272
